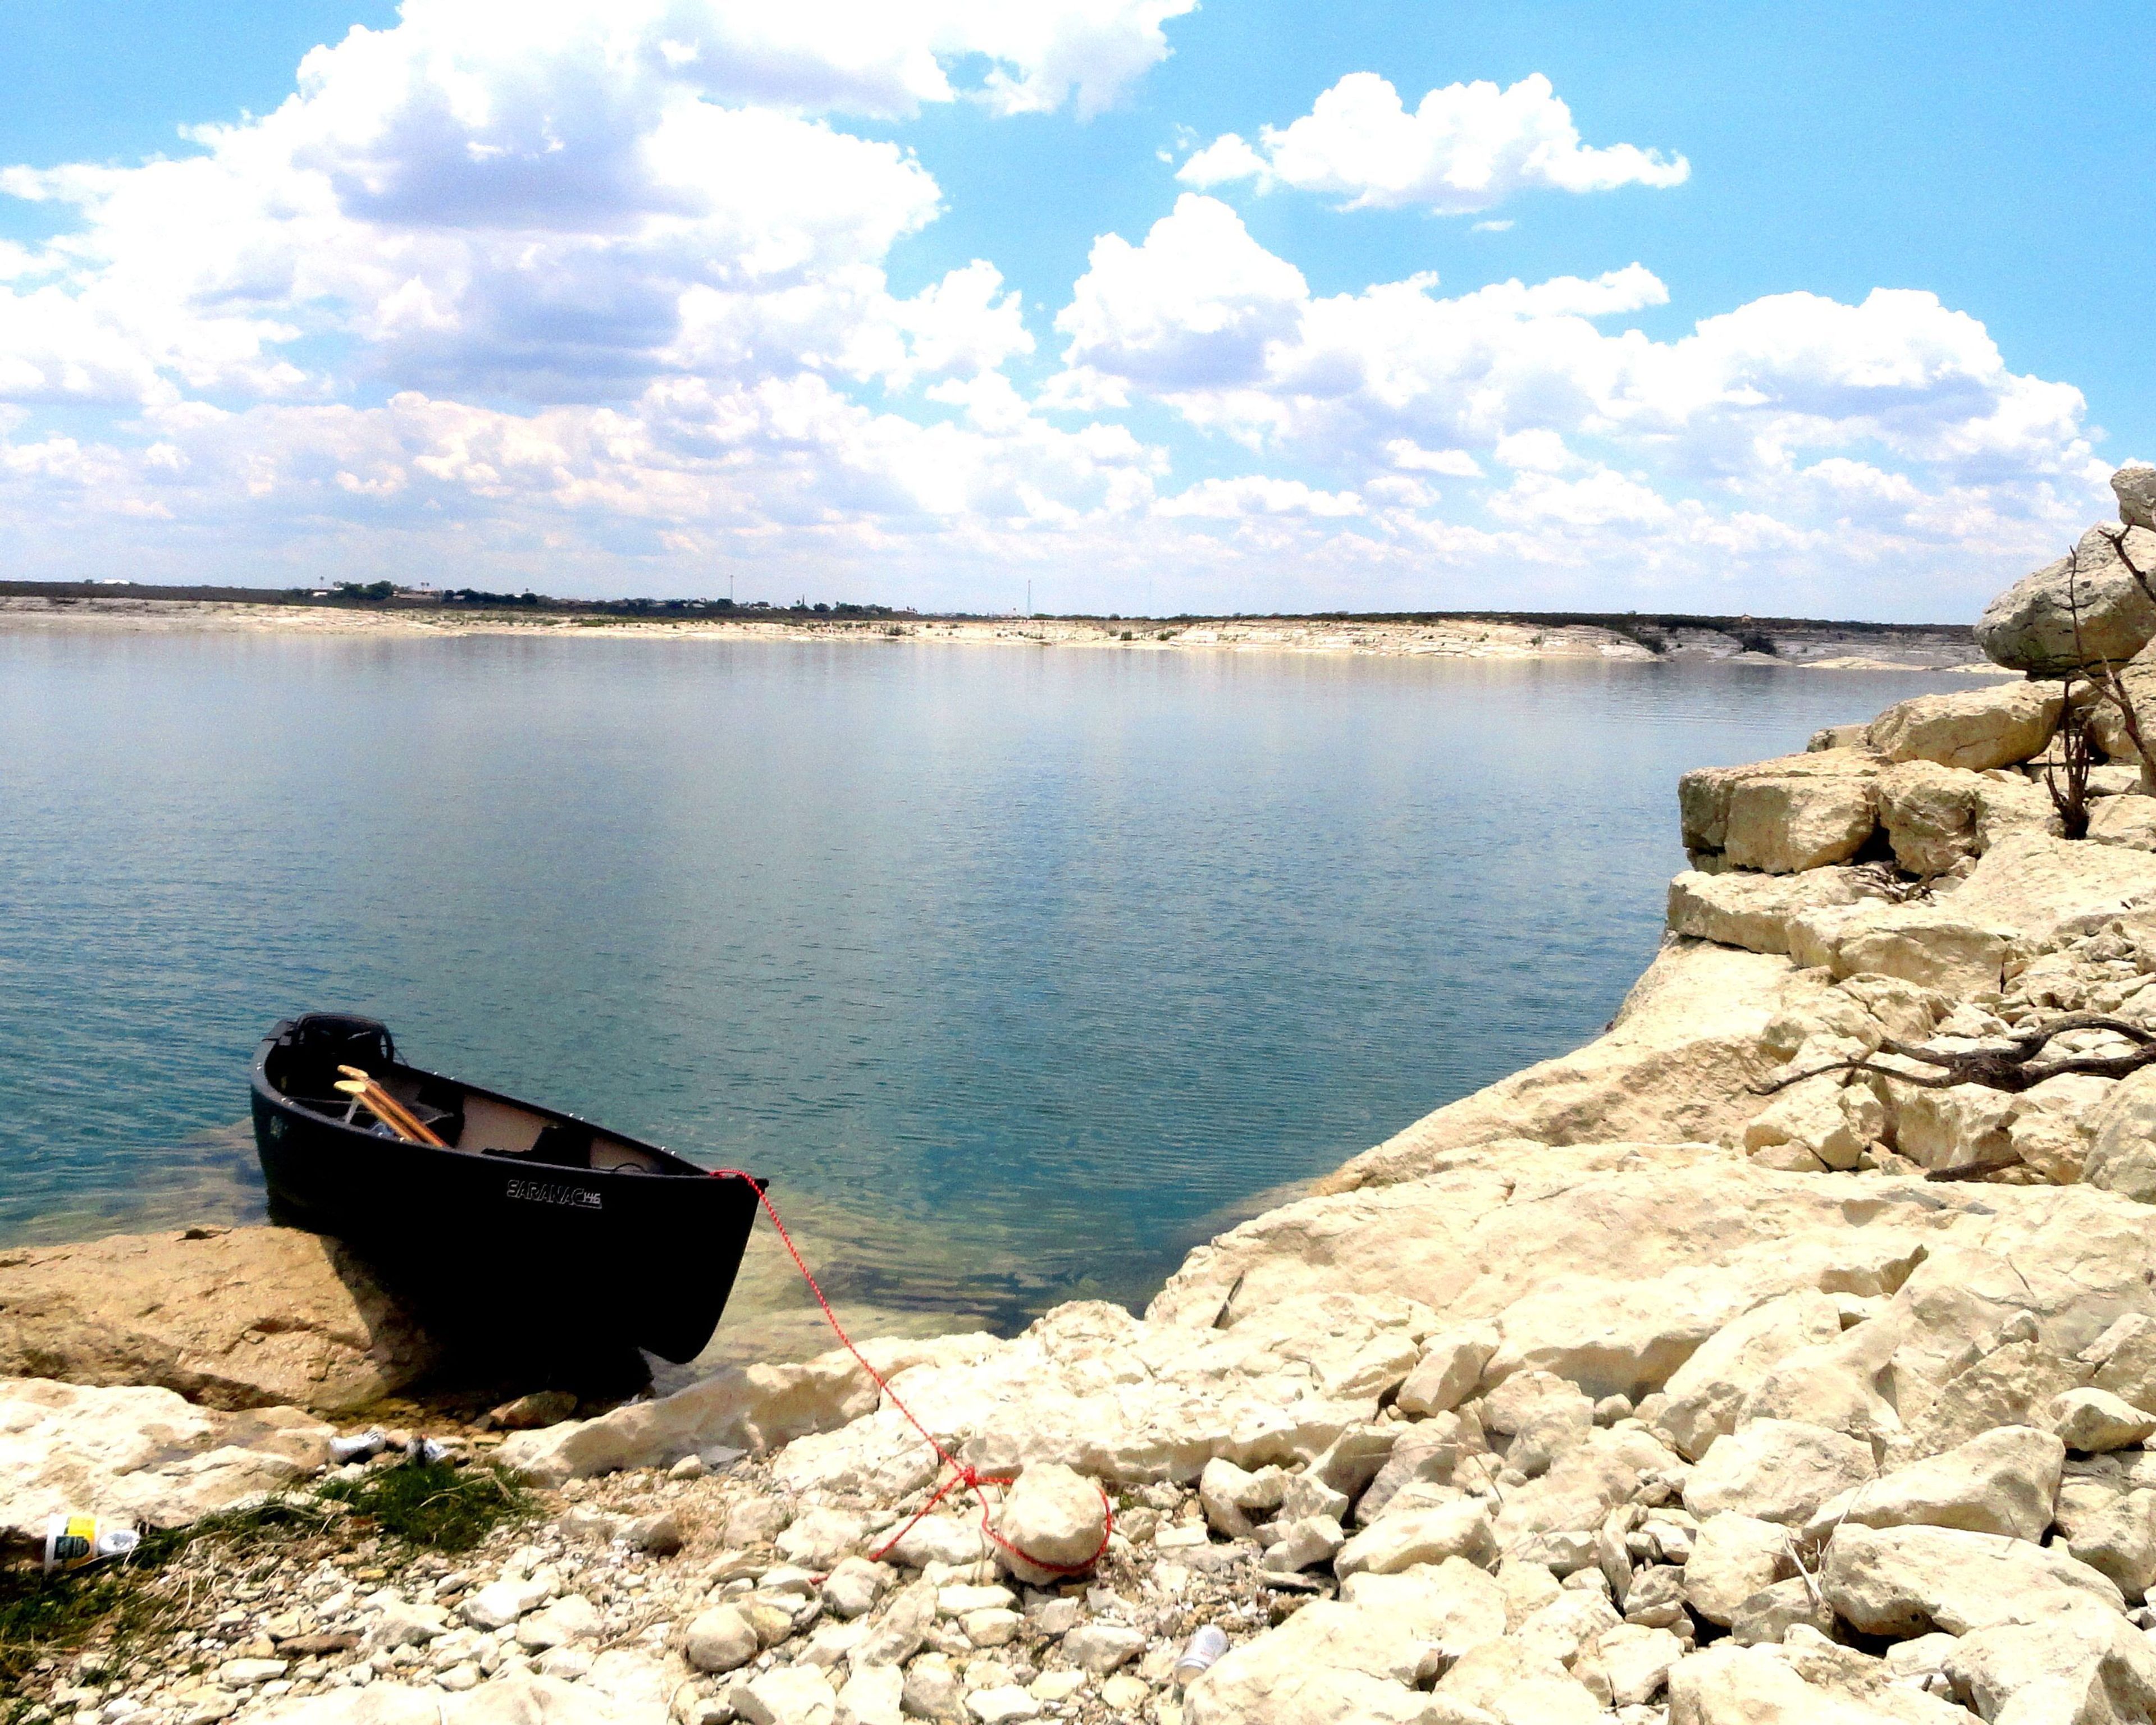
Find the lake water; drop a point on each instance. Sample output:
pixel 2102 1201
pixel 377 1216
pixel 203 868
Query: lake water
pixel 1018 971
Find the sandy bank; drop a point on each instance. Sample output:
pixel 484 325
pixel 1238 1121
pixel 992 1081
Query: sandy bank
pixel 1822 646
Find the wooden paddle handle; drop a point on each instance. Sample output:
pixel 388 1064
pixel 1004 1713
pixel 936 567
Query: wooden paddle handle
pixel 388 1109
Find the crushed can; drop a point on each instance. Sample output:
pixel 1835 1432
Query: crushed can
pixel 359 1446
pixel 74 1542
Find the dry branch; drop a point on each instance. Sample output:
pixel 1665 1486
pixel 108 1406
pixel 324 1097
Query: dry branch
pixel 2008 1063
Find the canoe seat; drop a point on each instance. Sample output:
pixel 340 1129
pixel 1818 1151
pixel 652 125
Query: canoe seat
pixel 558 1146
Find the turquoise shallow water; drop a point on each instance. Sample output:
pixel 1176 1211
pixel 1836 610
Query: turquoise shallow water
pixel 1054 959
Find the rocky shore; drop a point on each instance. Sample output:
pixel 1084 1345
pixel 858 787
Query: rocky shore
pixel 1803 644
pixel 1786 1354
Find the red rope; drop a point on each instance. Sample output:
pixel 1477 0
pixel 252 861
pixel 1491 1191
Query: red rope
pixel 961 1473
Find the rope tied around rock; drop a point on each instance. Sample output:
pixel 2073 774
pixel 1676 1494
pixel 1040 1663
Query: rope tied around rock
pixel 963 1475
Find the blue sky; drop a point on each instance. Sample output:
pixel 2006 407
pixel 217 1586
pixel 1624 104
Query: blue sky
pixel 1833 311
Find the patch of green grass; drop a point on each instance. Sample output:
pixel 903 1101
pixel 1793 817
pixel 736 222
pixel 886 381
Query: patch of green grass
pixel 431 1507
pixel 432 1504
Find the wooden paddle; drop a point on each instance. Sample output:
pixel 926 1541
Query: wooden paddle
pixel 389 1111
pixel 386 1108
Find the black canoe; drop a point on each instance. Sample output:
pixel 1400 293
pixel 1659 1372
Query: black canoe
pixel 535 1230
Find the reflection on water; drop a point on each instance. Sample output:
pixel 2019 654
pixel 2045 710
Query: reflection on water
pixel 1018 971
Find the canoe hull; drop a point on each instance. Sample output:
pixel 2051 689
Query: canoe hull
pixel 537 1259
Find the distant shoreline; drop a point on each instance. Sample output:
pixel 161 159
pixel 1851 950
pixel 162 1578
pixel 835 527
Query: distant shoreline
pixel 1515 636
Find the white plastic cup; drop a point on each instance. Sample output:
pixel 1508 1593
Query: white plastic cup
pixel 1207 1645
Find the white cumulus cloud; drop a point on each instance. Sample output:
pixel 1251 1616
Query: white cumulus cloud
pixel 599 298
pixel 1467 147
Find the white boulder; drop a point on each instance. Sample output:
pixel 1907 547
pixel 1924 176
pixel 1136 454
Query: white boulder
pixel 2095 1420
pixel 2084 608
pixel 1972 729
pixel 141 1455
pixel 1906 1581
pixel 1776 1471
pixel 2003 1481
pixel 1053 1525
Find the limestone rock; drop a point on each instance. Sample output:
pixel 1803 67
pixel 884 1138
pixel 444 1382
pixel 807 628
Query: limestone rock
pixel 1729 1685
pixel 1823 1121
pixel 1103 1647
pixel 2088 1667
pixel 1776 1471
pixel 1455 1605
pixel 1303 1544
pixel 1230 1495
pixel 1056 1519
pixel 509 1700
pixel 2134 485
pixel 1354 1458
pixel 1706 1393
pixel 2095 1420
pixel 378 1704
pixel 1569 1625
pixel 572 1618
pixel 755 1406
pixel 1446 1374
pixel 1905 1581
pixel 2128 822
pixel 1768 1615
pixel 1656 1598
pixel 1735 1557
pixel 1932 946
pixel 2084 608
pixel 499 1603
pixel 788 1695
pixel 1789 822
pixel 873 1696
pixel 2107 724
pixel 1781 816
pixel 720 1640
pixel 1332 1660
pixel 2013 1385
pixel 852 1587
pixel 1937 817
pixel 1973 729
pixel 2026 894
pixel 929 1690
pixel 1543 1415
pixel 2122 1155
pixel 2124 1359
pixel 2004 1481
pixel 1429 1452
pixel 1276 1381
pixel 1739 908
pixel 141 1455
pixel 530 1412
pixel 1514 1686
pixel 1637 1660
pixel 818 1538
pixel 897 1635
pixel 1430 1536
pixel 2120 1541
pixel 940 1539
pixel 229 1317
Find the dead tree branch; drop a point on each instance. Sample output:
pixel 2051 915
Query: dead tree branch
pixel 2105 681
pixel 2009 1063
